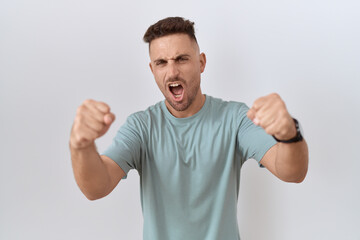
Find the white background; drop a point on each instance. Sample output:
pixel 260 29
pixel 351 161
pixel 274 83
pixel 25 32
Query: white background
pixel 55 54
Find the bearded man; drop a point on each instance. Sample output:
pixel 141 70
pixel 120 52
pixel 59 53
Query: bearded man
pixel 187 149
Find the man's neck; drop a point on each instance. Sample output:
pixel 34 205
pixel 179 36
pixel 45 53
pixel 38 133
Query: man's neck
pixel 195 107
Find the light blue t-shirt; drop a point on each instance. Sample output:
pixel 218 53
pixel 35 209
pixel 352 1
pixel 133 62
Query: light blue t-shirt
pixel 189 167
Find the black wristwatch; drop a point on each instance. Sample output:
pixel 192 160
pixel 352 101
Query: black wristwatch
pixel 298 136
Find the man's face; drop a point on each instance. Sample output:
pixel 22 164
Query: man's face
pixel 177 65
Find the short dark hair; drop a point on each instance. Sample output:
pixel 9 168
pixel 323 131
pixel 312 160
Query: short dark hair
pixel 168 26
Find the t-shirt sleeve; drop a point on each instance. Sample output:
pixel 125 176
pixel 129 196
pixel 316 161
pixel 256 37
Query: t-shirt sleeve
pixel 253 141
pixel 125 148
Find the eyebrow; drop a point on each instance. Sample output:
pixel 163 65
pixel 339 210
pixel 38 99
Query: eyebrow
pixel 177 57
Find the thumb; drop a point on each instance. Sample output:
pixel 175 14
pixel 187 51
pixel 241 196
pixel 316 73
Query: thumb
pixel 109 118
pixel 251 114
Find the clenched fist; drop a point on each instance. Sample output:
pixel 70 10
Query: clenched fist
pixel 270 113
pixel 92 120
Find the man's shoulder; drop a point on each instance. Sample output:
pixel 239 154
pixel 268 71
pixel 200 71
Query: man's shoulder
pixel 221 104
pixel 141 121
pixel 150 112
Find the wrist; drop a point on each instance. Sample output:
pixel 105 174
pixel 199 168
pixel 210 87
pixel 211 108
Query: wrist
pixel 297 138
pixel 74 146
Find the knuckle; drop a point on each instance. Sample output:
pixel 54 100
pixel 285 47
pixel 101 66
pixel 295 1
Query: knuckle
pixel 259 115
pixel 80 110
pixel 88 101
pixel 258 103
pixel 275 95
pixel 79 118
pixel 105 107
pixel 75 126
pixel 99 127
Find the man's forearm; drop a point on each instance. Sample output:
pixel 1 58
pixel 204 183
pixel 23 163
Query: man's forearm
pixel 90 172
pixel 291 162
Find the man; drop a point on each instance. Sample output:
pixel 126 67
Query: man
pixel 188 149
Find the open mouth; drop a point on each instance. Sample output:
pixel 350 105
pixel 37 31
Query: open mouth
pixel 177 91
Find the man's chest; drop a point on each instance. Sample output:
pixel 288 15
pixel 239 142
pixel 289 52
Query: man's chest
pixel 188 150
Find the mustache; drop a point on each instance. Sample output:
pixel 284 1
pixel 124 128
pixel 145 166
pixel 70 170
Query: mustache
pixel 177 79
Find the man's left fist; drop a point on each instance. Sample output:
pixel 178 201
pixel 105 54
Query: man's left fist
pixel 270 113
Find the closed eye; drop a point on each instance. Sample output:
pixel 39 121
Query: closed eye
pixel 182 59
pixel 160 62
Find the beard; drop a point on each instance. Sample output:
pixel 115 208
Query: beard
pixel 188 99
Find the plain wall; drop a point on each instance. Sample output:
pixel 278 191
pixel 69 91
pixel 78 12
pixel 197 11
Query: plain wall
pixel 56 54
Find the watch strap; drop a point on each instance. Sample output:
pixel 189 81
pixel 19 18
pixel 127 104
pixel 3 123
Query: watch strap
pixel 297 138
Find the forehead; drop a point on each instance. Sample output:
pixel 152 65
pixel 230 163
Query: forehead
pixel 172 45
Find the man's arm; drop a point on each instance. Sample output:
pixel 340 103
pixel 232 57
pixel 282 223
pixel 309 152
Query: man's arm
pixel 287 161
pixel 96 175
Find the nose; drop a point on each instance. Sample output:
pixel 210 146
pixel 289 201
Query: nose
pixel 173 70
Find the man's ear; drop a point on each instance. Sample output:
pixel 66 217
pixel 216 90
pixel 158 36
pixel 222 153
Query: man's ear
pixel 202 62
pixel 151 68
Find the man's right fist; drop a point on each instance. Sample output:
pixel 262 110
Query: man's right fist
pixel 92 120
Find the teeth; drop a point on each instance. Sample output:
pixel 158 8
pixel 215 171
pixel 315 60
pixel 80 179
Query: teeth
pixel 174 84
pixel 177 96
